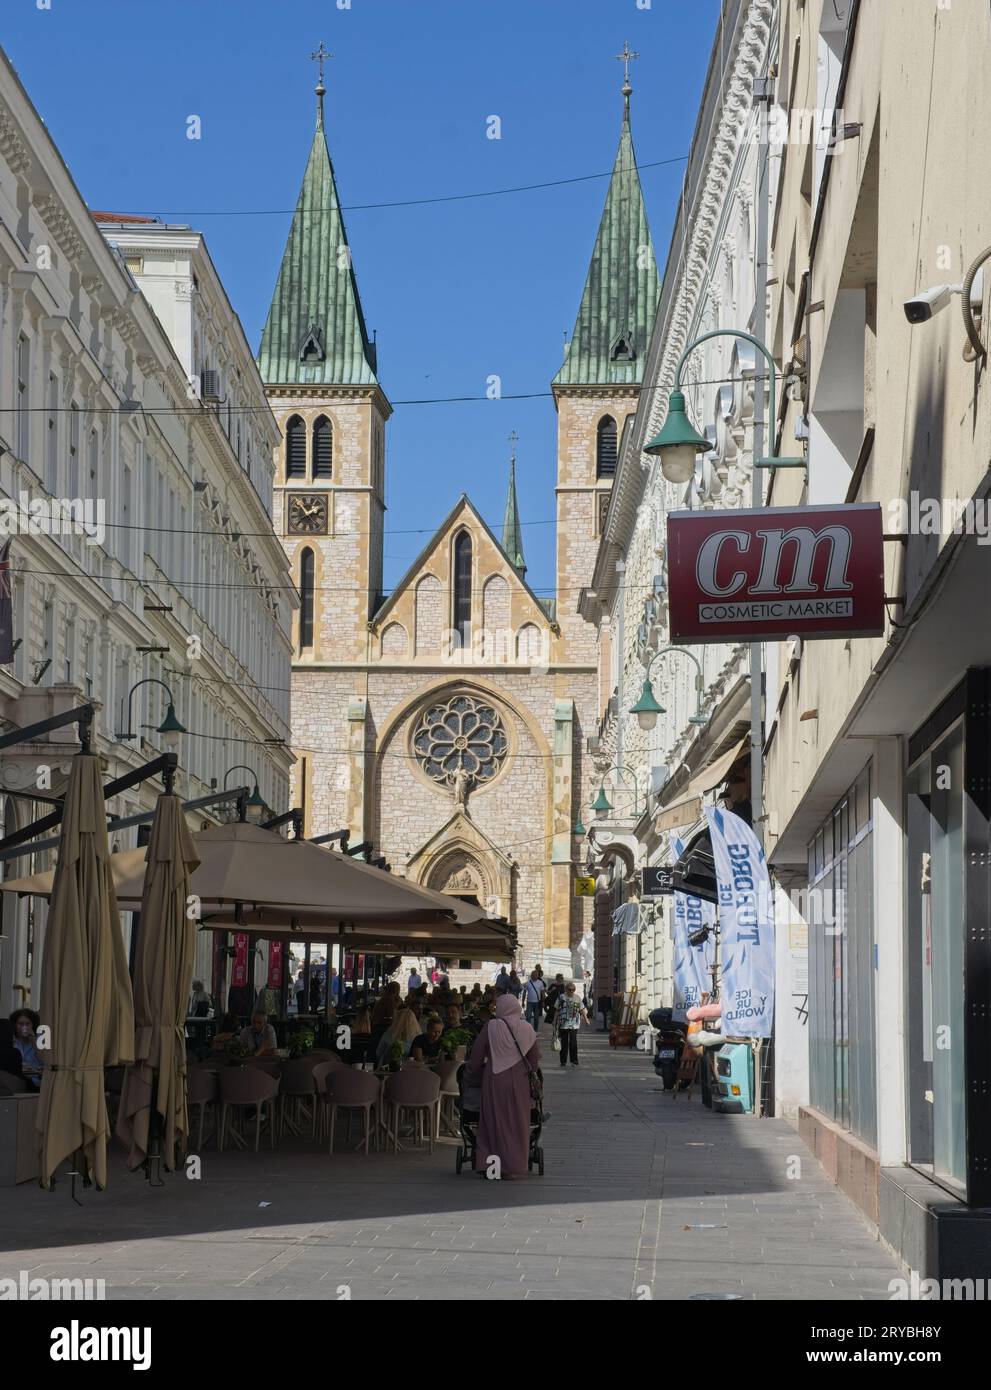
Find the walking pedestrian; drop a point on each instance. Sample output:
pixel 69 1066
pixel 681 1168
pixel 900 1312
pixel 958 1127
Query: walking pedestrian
pixel 533 999
pixel 554 995
pixel 570 1016
pixel 501 1058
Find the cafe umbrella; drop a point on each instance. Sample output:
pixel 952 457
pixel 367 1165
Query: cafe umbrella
pixel 151 1121
pixel 85 988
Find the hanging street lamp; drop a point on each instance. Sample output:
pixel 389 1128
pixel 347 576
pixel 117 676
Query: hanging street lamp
pixel 170 727
pixel 678 442
pixel 254 805
pixel 647 707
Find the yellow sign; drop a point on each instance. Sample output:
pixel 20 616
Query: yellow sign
pixel 584 887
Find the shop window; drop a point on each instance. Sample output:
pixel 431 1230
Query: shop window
pixel 842 1071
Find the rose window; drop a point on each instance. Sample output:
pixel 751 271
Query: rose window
pixel 462 740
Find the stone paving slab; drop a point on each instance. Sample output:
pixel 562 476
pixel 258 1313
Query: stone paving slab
pixel 631 1176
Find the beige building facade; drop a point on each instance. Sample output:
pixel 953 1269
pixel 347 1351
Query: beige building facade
pixel 445 722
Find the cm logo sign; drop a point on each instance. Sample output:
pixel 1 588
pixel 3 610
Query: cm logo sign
pixel 770 573
pixel 797 547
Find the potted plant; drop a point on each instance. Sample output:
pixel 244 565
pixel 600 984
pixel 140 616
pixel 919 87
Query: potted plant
pixel 395 1055
pixel 301 1041
pixel 452 1040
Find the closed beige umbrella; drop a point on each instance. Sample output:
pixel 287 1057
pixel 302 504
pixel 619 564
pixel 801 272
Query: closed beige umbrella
pixel 85 988
pixel 163 973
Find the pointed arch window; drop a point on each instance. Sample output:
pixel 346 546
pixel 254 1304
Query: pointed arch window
pixel 605 448
pixel 462 587
pixel 323 447
pixel 306 588
pixel 295 448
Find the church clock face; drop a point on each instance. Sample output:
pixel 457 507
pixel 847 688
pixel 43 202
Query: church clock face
pixel 307 513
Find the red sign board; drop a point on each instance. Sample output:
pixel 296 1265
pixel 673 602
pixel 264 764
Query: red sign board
pixel 239 973
pixel 772 572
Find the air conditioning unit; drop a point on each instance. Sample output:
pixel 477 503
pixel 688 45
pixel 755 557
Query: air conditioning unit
pixel 210 385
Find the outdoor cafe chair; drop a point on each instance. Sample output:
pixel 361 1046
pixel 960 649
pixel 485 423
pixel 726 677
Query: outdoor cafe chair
pixel 202 1089
pixel 324 1068
pixel 348 1089
pixel 271 1065
pixel 416 1089
pixel 247 1086
pixel 447 1072
pixel 297 1089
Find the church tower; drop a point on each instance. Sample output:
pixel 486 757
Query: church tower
pixel 319 368
pixel 599 381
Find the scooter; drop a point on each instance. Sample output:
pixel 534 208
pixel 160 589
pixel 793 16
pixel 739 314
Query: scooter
pixel 669 1045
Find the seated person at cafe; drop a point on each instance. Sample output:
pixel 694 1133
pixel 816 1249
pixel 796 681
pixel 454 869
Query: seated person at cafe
pixel 25 1023
pixel 259 1036
pixel 452 1017
pixel 426 1048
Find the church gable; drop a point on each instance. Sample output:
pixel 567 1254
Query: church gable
pixel 463 602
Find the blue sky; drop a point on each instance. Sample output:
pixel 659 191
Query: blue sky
pixel 457 291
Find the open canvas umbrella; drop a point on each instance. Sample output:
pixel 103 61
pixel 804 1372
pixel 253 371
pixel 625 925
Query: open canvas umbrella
pixel 257 880
pixel 85 988
pixel 163 971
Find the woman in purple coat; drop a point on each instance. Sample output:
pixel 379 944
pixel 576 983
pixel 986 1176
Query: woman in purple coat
pixel 496 1064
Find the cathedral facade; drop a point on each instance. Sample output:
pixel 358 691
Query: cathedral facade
pixel 448 721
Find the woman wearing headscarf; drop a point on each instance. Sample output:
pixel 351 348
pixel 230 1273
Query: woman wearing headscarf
pixel 501 1058
pixel 406 1029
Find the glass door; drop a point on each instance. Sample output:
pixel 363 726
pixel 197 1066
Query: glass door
pixel 936 869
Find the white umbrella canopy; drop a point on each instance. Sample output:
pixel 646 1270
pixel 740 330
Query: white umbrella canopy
pixel 85 986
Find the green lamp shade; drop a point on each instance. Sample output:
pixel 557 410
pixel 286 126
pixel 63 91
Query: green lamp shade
pixel 254 807
pixel 601 804
pixel 170 724
pixel 578 828
pixel 677 442
pixel 646 708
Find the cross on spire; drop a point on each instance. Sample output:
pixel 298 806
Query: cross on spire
pixel 513 438
pixel 319 56
pixel 626 58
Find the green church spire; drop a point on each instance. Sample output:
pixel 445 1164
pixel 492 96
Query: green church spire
pixel 609 342
pixel 512 535
pixel 315 331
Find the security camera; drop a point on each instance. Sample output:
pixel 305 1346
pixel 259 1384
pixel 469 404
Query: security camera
pixel 921 307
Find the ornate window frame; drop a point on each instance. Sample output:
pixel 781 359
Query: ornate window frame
pixel 445 697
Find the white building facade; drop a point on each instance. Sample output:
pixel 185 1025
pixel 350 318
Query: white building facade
pixel 107 333
pixel 710 284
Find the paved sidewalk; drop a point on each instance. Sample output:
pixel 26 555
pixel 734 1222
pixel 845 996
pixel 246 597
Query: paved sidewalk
pixel 643 1196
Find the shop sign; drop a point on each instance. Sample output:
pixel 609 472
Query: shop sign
pixel 776 572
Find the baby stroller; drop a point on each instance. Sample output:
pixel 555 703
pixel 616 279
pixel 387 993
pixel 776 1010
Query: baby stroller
pixel 468 1106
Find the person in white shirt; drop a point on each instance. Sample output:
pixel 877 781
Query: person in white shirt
pixel 533 999
pixel 414 981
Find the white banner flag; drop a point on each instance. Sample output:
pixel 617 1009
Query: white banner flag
pixel 692 964
pixel 746 926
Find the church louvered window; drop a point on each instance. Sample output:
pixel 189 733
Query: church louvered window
pixel 295 448
pixel 306 574
pixel 323 447
pixel 605 448
pixel 462 587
